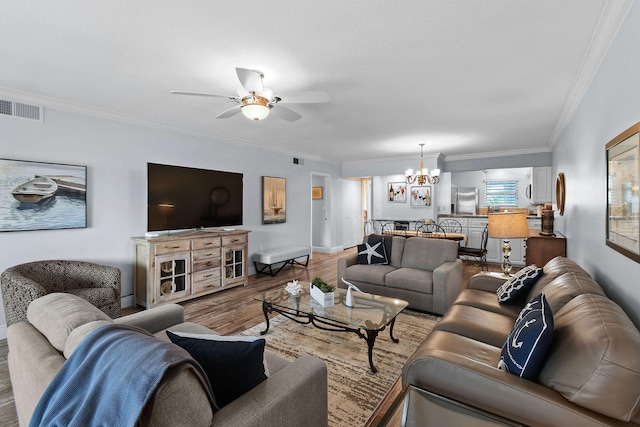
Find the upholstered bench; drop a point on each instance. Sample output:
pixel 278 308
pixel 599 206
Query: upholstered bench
pixel 284 254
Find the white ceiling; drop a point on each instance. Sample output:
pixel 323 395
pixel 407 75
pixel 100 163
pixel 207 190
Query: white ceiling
pixel 463 76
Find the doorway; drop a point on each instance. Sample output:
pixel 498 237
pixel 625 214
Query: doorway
pixel 320 212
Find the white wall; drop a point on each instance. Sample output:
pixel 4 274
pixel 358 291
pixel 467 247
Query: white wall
pixel 116 156
pixel 610 106
pixel 384 209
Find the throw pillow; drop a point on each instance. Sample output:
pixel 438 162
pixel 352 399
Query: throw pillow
pixel 529 341
pixel 372 252
pixel 234 365
pixel 519 284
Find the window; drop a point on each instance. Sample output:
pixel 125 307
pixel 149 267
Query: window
pixel 502 192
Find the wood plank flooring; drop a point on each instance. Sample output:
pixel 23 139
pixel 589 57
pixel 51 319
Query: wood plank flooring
pixel 230 312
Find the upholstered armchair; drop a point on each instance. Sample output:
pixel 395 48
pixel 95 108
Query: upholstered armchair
pixel 21 284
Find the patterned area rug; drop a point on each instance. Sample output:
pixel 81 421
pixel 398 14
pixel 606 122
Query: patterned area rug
pixel 354 391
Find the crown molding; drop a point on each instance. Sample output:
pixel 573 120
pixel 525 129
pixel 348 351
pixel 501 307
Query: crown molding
pixel 85 110
pixel 506 153
pixel 612 16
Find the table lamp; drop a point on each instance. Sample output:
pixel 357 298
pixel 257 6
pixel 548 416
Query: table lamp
pixel 508 225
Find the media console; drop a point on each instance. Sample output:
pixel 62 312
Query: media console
pixel 174 268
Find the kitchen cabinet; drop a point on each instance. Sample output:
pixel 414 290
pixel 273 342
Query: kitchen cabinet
pixel 542 185
pixel 473 227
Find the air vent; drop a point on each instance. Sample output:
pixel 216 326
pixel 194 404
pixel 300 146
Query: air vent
pixel 297 161
pixel 19 110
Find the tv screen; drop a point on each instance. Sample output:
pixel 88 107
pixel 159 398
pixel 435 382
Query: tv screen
pixel 183 198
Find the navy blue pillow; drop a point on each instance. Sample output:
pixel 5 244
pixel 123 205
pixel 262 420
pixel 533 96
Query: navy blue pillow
pixel 373 251
pixel 519 284
pixel 234 365
pixel 529 341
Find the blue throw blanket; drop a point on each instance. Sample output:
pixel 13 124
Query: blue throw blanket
pixel 109 379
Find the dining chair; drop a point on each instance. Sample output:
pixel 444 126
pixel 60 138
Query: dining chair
pixel 424 229
pixel 451 226
pixel 480 254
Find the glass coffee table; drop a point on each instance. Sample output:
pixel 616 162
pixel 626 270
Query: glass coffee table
pixel 369 315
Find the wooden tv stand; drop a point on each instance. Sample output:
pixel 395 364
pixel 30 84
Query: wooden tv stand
pixel 174 268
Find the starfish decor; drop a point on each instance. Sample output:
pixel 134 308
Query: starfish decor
pixel 370 251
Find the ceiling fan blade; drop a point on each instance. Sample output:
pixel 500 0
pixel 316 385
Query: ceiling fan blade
pixel 251 80
pixel 229 113
pixel 285 113
pixel 303 97
pixel 212 95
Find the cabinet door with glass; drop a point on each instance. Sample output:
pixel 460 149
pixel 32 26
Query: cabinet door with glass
pixel 234 265
pixel 172 277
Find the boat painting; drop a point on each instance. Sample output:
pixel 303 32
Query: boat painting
pixel 274 200
pixel 72 184
pixel 35 190
pixel 42 196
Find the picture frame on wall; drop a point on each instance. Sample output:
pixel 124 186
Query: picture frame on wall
pixel 397 192
pixel 421 196
pixel 316 193
pixel 623 195
pixel 274 200
pixel 42 196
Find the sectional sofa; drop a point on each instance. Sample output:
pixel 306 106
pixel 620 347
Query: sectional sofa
pixel 590 375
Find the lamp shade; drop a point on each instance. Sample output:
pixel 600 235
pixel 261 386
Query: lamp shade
pixel 508 225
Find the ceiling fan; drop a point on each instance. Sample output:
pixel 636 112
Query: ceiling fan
pixel 256 102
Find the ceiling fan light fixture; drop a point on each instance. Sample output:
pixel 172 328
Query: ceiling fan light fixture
pixel 255 107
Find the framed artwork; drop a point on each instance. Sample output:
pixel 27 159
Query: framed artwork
pixel 397 192
pixel 421 196
pixel 623 195
pixel 316 192
pixel 274 200
pixel 42 196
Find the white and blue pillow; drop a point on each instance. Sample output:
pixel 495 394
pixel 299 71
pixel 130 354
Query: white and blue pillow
pixel 373 251
pixel 234 365
pixel 519 284
pixel 527 345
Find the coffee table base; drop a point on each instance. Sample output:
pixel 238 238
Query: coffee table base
pixel 369 335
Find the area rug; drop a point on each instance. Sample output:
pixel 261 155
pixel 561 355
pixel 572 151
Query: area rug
pixel 354 391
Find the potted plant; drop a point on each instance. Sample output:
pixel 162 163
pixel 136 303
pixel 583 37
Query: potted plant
pixel 322 292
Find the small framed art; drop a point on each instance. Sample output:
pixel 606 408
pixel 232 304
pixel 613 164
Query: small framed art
pixel 316 192
pixel 421 196
pixel 397 192
pixel 274 200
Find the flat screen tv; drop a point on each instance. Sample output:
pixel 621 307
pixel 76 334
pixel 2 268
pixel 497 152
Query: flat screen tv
pixel 180 198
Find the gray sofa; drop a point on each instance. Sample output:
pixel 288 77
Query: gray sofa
pixel 589 377
pixel 294 394
pixel 425 272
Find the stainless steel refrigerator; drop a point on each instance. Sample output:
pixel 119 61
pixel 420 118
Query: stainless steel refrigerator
pixel 465 200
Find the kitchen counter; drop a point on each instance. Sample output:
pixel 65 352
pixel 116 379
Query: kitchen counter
pixel 478 216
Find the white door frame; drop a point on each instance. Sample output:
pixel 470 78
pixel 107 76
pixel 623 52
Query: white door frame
pixel 327 220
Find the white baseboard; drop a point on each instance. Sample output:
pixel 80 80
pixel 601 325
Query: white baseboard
pixel 331 250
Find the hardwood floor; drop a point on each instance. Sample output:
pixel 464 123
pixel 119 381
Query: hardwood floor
pixel 230 312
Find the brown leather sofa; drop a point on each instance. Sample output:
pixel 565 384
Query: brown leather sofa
pixel 590 376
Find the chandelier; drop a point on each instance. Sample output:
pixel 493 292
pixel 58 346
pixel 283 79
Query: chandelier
pixel 422 175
